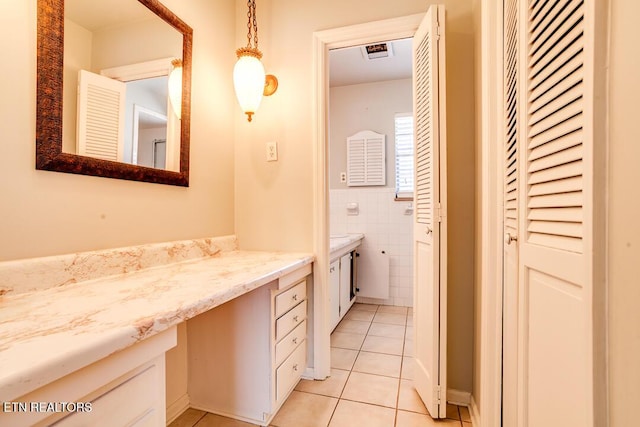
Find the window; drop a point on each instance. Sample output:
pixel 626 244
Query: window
pixel 404 155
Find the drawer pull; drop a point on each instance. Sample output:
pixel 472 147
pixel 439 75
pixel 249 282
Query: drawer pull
pixel 295 319
pixel 295 340
pixel 295 297
pixel 295 367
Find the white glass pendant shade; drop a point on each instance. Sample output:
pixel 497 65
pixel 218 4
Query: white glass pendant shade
pixel 175 90
pixel 248 80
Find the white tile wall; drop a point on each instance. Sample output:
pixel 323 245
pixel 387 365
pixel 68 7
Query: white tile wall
pixel 386 226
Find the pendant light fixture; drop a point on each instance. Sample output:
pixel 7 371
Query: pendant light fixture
pixel 249 79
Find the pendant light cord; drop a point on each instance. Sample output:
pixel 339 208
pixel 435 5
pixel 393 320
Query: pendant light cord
pixel 252 24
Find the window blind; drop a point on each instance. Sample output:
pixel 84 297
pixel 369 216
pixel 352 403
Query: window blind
pixel 404 155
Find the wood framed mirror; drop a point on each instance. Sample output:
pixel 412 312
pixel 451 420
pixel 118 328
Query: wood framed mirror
pixel 50 153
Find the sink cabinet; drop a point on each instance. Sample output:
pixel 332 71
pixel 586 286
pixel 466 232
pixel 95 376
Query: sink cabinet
pixel 342 286
pixel 247 355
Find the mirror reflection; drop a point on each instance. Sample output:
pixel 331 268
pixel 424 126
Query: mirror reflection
pixel 118 56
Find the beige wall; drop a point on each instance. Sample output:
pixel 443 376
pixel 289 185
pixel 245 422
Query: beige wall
pixel 624 211
pixel 368 106
pixel 46 213
pixel 274 206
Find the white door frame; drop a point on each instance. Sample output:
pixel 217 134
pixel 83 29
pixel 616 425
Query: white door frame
pixel 389 29
pixel 489 95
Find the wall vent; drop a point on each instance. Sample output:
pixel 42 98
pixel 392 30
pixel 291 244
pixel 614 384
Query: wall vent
pixel 377 51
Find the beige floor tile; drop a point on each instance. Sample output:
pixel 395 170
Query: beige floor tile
pixel 467 424
pixel 387 330
pixel 374 389
pixel 353 326
pixel 363 315
pixel 364 307
pixel 412 419
pixel 392 309
pixel 392 318
pixel 188 418
pixel 464 414
pixel 353 414
pixel 347 340
pixel 378 364
pixel 342 358
pixel 408 348
pixel 407 368
pixel 305 410
pixel 331 386
pixel 409 334
pixel 213 420
pixel 383 345
pixel 408 398
pixel 452 412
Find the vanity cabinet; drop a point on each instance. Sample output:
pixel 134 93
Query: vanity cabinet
pixel 126 388
pixel 247 355
pixel 342 286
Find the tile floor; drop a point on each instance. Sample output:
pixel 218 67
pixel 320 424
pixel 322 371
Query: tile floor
pixel 370 383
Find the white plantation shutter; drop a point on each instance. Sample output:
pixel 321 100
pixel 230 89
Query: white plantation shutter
pixel 404 155
pixel 366 154
pixel 101 107
pixel 555 99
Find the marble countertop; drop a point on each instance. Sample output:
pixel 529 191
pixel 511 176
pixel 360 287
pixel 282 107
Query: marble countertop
pixel 342 243
pixel 47 334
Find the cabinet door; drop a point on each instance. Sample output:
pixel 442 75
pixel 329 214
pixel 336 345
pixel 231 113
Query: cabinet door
pixel 334 293
pixel 345 283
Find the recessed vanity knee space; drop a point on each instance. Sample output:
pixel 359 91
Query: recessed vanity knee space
pixel 92 329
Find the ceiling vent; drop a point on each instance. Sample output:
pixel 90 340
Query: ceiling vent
pixel 377 51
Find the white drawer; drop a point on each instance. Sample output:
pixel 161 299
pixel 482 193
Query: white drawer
pixel 287 322
pixel 290 298
pixel 288 374
pixel 290 342
pixel 130 402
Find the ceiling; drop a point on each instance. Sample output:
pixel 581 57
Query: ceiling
pixel 349 66
pixel 99 14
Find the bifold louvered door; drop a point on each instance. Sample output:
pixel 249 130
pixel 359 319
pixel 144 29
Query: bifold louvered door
pixel 101 107
pixel 555 285
pixel 366 159
pixel 511 155
pixel 430 225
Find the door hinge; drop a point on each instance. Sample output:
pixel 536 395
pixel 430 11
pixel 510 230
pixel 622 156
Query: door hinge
pixel 438 212
pixel 439 395
pixel 438 32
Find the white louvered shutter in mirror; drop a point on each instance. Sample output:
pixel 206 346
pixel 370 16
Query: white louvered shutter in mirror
pixel 555 332
pixel 430 225
pixel 101 107
pixel 366 154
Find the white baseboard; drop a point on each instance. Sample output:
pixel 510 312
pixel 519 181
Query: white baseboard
pixel 175 409
pixel 475 413
pixel 458 397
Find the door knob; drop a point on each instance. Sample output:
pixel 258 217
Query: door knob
pixel 429 230
pixel 508 238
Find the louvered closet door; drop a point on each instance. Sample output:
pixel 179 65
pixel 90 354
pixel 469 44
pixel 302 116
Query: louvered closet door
pixel 101 107
pixel 510 198
pixel 430 231
pixel 555 354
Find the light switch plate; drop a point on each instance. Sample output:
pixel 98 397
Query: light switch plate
pixel 272 151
